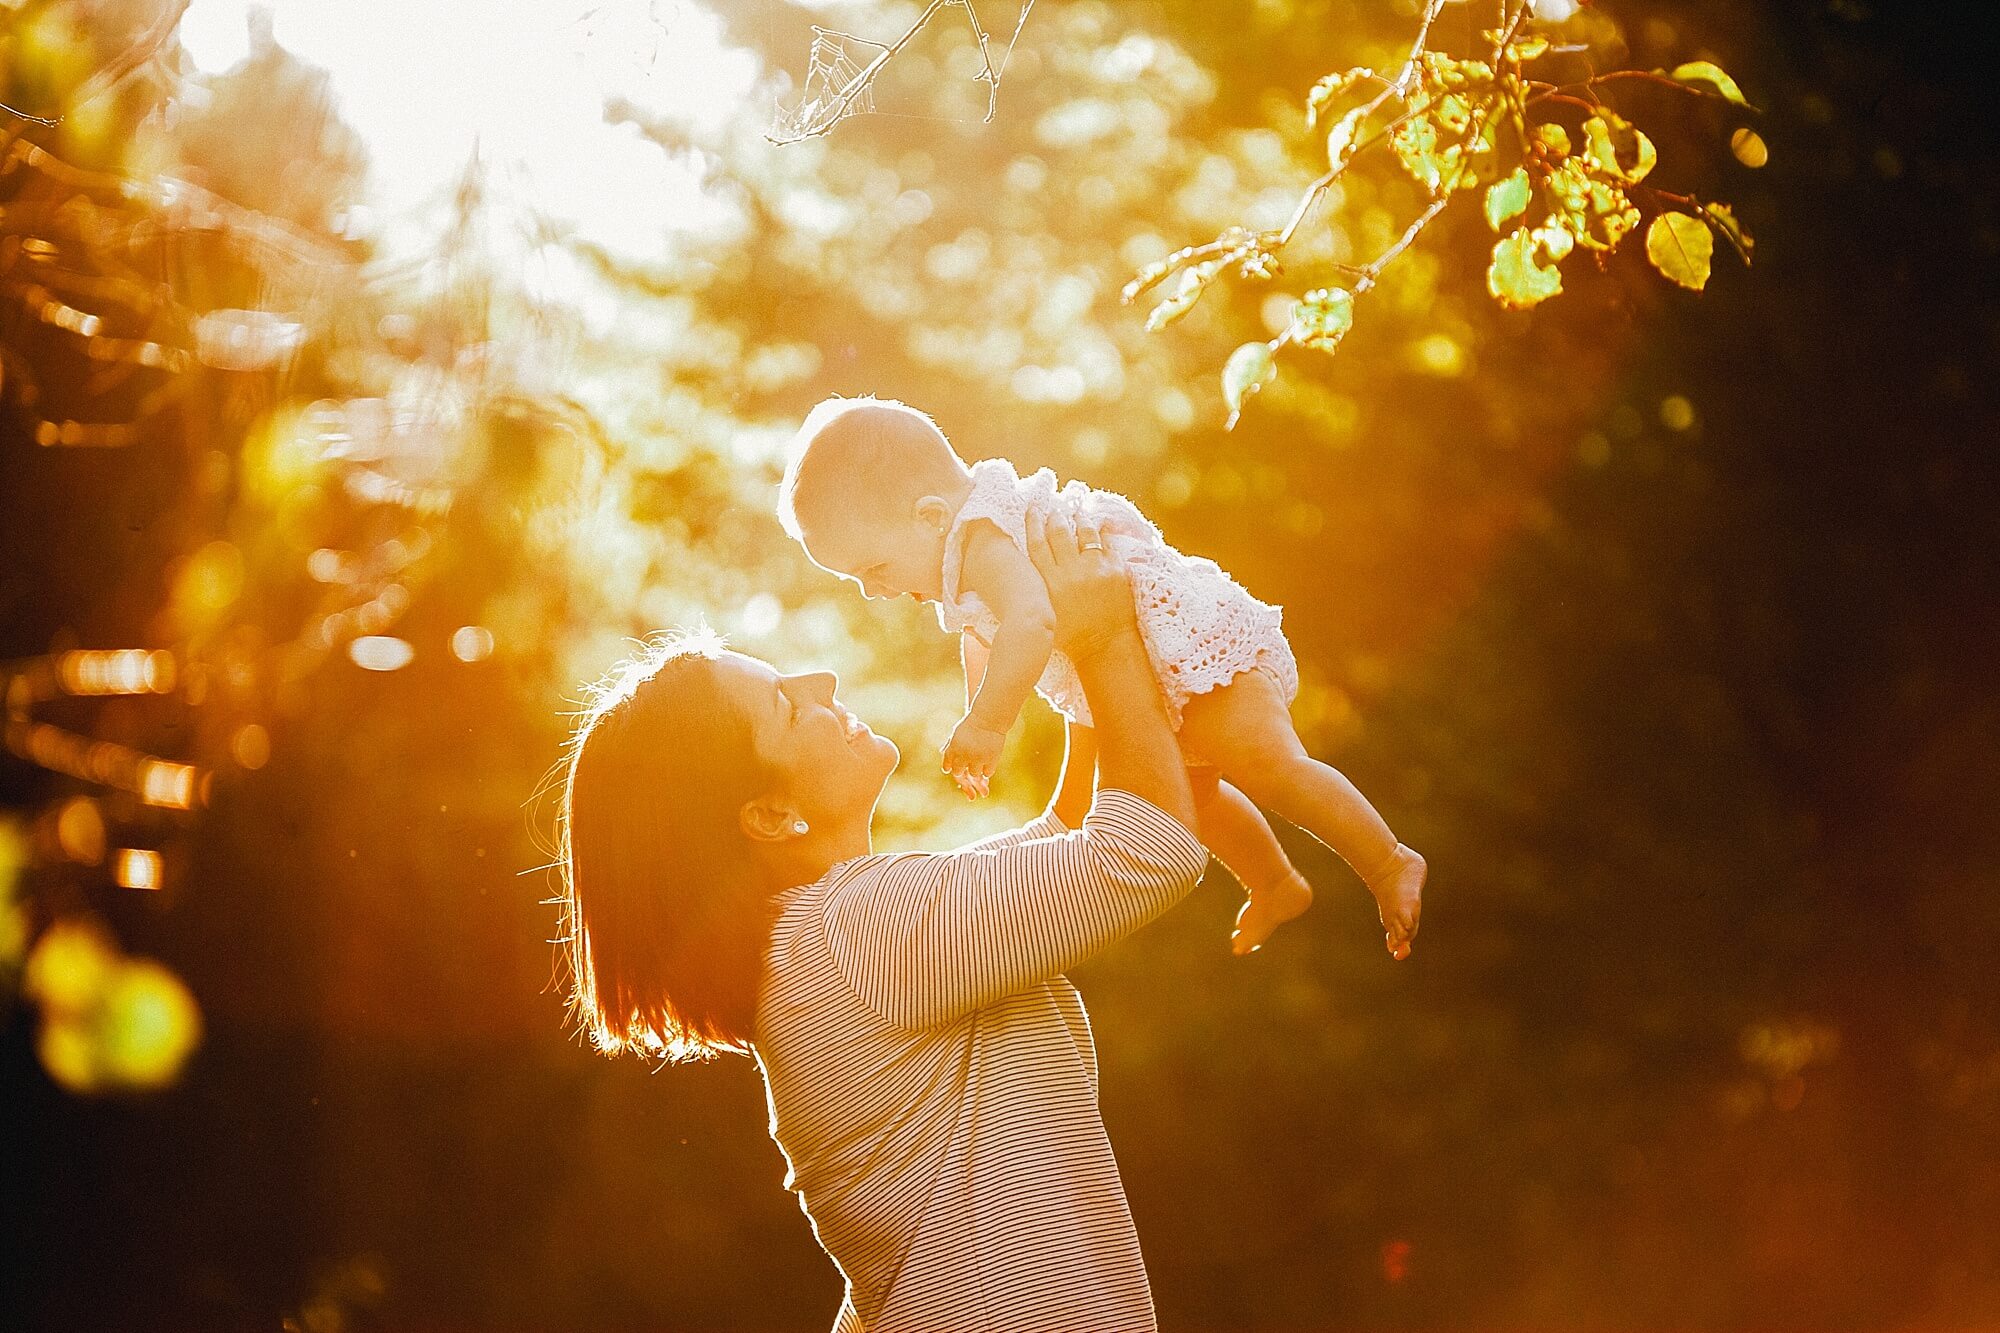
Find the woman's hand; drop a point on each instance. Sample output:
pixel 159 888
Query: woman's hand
pixel 1088 586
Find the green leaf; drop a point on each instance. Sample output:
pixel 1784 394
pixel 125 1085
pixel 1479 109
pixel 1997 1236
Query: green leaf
pixel 1415 142
pixel 1250 368
pixel 1477 165
pixel 1452 113
pixel 1329 88
pixel 1507 198
pixel 1517 277
pixel 1701 71
pixel 1555 240
pixel 1597 212
pixel 1321 318
pixel 1193 281
pixel 1553 137
pixel 1723 219
pixel 1681 248
pixel 1619 148
pixel 1443 71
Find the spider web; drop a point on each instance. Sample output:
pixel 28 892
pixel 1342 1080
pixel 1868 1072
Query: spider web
pixel 837 84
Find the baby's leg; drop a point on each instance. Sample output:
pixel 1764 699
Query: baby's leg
pixel 1241 838
pixel 1244 729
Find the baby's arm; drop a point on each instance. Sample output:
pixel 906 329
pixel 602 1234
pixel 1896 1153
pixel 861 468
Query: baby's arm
pixel 972 654
pixel 1008 584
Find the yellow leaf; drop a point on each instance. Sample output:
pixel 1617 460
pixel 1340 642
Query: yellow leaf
pixel 1250 368
pixel 1415 142
pixel 1516 277
pixel 1701 71
pixel 1321 318
pixel 1597 212
pixel 1555 240
pixel 1327 89
pixel 1507 198
pixel 1619 148
pixel 1723 219
pixel 1681 247
pixel 1193 281
pixel 1340 139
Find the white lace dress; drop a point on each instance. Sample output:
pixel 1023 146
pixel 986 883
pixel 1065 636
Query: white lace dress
pixel 1201 628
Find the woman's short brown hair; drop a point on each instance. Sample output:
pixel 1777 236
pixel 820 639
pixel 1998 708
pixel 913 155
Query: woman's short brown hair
pixel 665 917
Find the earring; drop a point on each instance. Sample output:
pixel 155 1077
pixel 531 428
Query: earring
pixel 800 826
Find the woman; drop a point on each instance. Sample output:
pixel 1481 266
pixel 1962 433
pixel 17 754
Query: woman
pixel 930 1072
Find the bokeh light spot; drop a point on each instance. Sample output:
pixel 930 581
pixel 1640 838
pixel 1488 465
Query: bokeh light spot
pixel 1440 354
pixel 762 614
pixel 472 643
pixel 80 831
pixel 1395 1261
pixel 149 1026
pixel 70 966
pixel 211 580
pixel 138 868
pixel 380 652
pixel 250 747
pixel 1749 147
pixel 1676 413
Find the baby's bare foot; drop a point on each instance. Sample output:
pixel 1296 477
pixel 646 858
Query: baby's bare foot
pixel 1266 909
pixel 1399 896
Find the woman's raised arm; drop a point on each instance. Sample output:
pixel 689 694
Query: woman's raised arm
pixel 1096 628
pixel 927 938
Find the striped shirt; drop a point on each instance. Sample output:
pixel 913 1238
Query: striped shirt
pixel 932 1081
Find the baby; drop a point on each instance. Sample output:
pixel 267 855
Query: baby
pixel 876 494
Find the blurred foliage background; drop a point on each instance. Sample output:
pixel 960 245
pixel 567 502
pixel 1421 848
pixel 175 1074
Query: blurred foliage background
pixel 1663 625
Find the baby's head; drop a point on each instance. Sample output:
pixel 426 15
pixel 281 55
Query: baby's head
pixel 870 492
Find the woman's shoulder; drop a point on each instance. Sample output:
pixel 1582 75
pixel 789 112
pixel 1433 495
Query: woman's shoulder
pixel 804 933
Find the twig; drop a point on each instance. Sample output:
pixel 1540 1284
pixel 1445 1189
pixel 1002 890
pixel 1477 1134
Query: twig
pixel 1333 174
pixel 43 121
pixel 986 73
pixel 1431 12
pixel 1374 269
pixel 1019 23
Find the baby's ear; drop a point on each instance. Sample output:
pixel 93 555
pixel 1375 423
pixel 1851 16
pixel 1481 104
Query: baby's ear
pixel 934 511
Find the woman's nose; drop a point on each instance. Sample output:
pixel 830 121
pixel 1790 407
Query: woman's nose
pixel 823 685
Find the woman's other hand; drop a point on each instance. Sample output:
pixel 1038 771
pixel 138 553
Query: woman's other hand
pixel 1088 586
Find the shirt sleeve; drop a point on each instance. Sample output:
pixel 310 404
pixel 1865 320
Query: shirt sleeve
pixel 927 938
pixel 1046 826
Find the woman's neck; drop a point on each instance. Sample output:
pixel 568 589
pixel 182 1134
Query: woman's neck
pixel 805 859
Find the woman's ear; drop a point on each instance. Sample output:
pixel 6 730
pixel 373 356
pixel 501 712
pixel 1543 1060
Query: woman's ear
pixel 934 512
pixel 765 820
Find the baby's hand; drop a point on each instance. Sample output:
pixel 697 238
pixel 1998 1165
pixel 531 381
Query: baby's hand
pixel 970 755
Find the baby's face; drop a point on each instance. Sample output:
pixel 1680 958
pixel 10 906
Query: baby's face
pixel 901 557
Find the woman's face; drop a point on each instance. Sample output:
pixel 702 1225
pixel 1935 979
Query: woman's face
pixel 832 765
